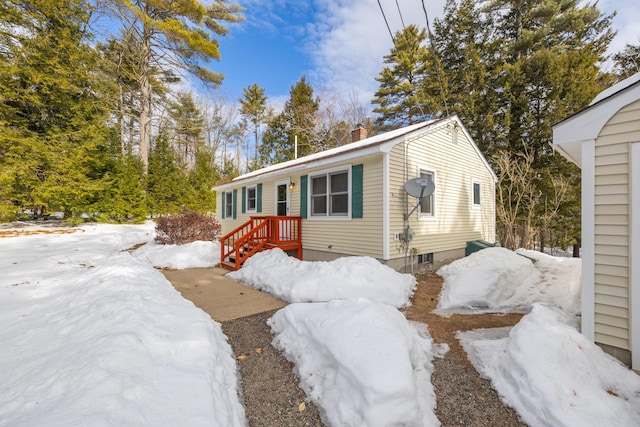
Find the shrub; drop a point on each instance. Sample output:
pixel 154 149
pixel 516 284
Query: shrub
pixel 186 227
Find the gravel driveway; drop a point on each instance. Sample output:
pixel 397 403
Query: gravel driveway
pixel 270 391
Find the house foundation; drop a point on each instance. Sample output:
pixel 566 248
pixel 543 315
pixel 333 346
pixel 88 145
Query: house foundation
pixel 439 259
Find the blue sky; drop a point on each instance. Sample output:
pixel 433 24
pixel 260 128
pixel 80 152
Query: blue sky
pixel 338 44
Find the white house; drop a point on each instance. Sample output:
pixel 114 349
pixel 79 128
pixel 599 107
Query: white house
pixel 604 140
pixel 351 200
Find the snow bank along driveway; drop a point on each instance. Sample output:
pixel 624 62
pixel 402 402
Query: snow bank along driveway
pixel 92 336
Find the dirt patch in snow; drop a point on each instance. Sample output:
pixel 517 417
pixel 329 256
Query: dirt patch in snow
pixel 463 396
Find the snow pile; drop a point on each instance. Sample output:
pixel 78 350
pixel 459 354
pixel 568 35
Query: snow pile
pixel 553 375
pixel 497 279
pixel 559 283
pixel 198 254
pixel 92 336
pixel 491 278
pixel 360 361
pixel 292 280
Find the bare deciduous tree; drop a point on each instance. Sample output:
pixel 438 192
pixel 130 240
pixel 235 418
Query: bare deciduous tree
pixel 517 196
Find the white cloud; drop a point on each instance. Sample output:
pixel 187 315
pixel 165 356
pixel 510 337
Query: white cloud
pixel 348 40
pixel 625 22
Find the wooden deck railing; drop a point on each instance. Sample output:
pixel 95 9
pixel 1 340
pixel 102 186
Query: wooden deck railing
pixel 260 233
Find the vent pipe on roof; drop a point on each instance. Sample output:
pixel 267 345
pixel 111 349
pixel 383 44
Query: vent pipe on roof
pixel 359 133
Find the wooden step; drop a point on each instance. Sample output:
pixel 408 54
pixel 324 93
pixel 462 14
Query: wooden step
pixel 228 265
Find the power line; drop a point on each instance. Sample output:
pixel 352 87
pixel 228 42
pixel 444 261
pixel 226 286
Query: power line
pixel 385 20
pixel 435 57
pixel 400 13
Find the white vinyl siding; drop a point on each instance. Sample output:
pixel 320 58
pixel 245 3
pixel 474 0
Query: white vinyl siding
pixel 456 165
pixel 361 236
pixel 612 227
pixel 358 236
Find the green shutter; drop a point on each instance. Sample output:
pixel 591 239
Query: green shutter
pixel 356 191
pixel 259 198
pixel 224 206
pixel 303 196
pixel 244 199
pixel 234 202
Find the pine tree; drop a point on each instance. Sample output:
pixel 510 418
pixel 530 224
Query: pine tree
pixel 187 127
pixel 300 110
pixel 123 197
pixel 202 177
pixel 54 109
pixel 276 145
pixel 513 68
pixel 627 61
pixel 176 34
pixel 167 188
pixel 401 97
pixel 297 122
pixel 254 110
pixel 550 55
pixel 466 75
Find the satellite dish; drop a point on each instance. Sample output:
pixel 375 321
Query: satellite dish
pixel 419 187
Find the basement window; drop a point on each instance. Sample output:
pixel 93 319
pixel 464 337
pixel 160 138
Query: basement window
pixel 425 258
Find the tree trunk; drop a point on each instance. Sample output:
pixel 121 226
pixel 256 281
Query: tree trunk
pixel 145 98
pixel 255 155
pixel 121 123
pixel 576 247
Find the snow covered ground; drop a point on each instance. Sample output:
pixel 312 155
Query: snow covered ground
pixel 293 280
pixel 197 254
pixel 553 375
pixel 542 367
pixel 92 334
pixel 499 280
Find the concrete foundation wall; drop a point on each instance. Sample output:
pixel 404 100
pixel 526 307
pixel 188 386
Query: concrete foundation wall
pixel 619 353
pixel 398 264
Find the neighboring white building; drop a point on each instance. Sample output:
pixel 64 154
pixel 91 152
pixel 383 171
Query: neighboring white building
pixel 351 199
pixel 604 140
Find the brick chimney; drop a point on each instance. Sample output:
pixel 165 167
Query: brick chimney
pixel 359 133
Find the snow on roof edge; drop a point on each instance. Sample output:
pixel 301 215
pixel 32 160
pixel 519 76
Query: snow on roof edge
pixel 353 146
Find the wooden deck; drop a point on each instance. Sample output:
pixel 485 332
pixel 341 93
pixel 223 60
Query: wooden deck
pixel 258 234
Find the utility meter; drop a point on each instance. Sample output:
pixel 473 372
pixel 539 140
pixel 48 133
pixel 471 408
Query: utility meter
pixel 408 234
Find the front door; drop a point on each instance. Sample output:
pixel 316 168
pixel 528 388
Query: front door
pixel 282 198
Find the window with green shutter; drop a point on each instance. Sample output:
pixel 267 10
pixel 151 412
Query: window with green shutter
pixel 303 196
pixel 356 191
pixel 327 193
pixel 259 197
pixel 234 203
pixel 229 206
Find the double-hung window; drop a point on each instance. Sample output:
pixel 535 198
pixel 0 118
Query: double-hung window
pixel 476 194
pixel 330 194
pixel 228 204
pixel 251 199
pixel 427 208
